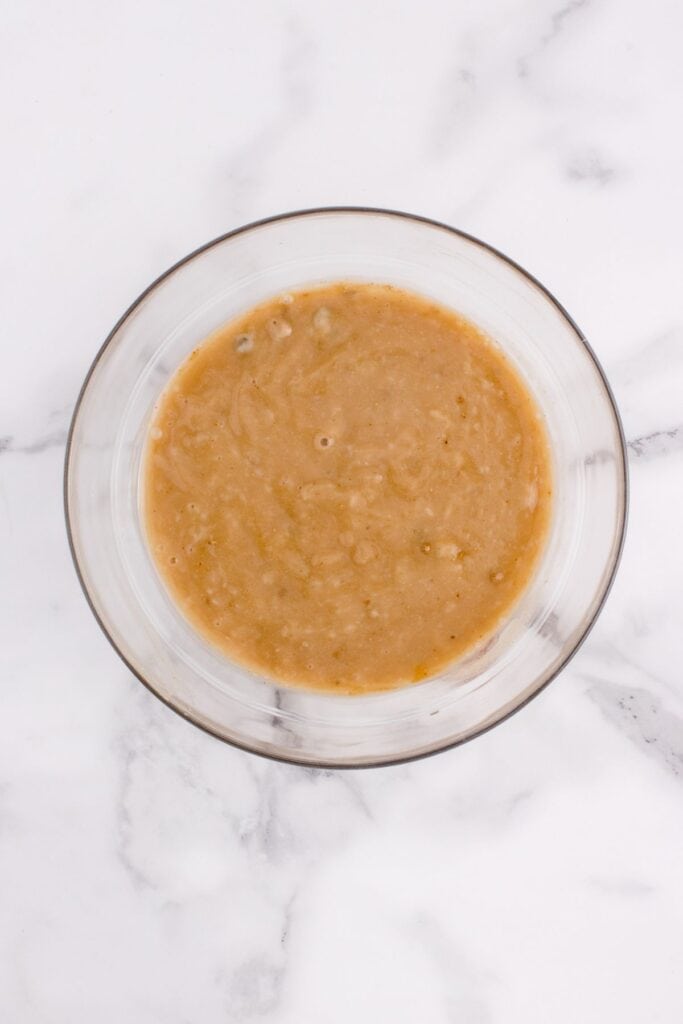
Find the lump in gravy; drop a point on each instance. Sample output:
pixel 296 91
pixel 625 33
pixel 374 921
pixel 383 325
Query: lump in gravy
pixel 346 488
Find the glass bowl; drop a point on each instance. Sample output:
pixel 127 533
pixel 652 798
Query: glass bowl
pixel 220 281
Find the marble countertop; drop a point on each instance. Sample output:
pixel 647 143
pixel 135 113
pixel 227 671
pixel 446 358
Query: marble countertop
pixel 151 874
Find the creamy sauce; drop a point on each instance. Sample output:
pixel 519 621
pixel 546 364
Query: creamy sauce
pixel 347 488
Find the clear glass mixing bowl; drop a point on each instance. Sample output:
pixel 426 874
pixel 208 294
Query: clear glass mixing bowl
pixel 210 287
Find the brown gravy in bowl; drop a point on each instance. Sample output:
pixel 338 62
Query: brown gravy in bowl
pixel 347 488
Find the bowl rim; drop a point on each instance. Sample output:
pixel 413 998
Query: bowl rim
pixel 623 509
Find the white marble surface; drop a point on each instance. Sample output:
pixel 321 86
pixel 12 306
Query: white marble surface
pixel 148 873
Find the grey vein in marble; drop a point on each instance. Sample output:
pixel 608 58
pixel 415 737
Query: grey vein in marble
pixel 55 439
pixel 254 987
pixel 458 104
pixel 263 833
pixel 633 888
pixel 657 444
pixel 558 20
pixel 640 715
pixel 590 168
pixel 666 346
pixel 461 981
pixel 246 163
